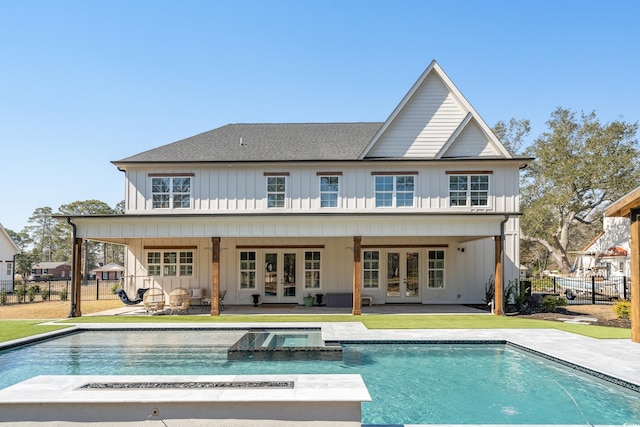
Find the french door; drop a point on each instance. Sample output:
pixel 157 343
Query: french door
pixel 280 277
pixel 403 276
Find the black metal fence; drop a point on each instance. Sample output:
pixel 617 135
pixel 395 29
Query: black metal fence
pixel 582 290
pixel 55 290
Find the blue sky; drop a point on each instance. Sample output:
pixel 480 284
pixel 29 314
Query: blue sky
pixel 84 83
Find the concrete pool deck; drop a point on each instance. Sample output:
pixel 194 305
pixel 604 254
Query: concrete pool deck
pixel 616 358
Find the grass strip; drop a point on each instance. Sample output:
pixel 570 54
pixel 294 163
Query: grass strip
pixel 383 321
pixel 14 329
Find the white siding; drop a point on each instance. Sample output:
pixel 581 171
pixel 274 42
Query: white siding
pixel 243 189
pixel 471 142
pixel 424 125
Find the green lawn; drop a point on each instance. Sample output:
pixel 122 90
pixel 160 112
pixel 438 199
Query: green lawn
pixel 12 329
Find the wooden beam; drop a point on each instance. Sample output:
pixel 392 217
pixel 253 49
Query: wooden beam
pixel 497 300
pixel 635 275
pixel 357 276
pixel 215 276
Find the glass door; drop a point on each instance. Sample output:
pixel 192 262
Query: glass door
pixel 279 277
pixel 403 276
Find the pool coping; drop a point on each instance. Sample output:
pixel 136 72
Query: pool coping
pixel 613 360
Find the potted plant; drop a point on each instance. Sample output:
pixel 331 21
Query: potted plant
pixel 308 300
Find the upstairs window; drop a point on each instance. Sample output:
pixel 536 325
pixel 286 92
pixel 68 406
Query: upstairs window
pixel 468 190
pixel 171 192
pixel 9 268
pixel 276 188
pixel 394 191
pixel 329 186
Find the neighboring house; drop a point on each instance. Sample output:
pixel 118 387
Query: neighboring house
pixel 111 271
pixel 422 208
pixel 50 271
pixel 608 253
pixel 8 251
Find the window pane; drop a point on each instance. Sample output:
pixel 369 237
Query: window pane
pixel 160 185
pixel 170 257
pixel 169 270
pixel 153 258
pixel 161 201
pixel 181 185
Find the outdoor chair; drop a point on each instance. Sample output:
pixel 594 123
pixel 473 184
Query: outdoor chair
pixel 197 295
pixel 153 300
pixel 221 296
pixel 179 300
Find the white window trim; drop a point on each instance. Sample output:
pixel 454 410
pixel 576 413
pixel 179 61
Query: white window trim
pixel 468 204
pixel 284 193
pixel 171 193
pixel 337 192
pixel 254 270
pixel 394 192
pixel 370 288
pixel 177 264
pixel 305 270
pixel 443 269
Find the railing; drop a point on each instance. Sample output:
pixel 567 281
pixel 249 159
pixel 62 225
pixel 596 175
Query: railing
pixel 55 290
pixel 582 290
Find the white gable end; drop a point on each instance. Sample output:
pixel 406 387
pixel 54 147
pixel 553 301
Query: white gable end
pixel 424 125
pixel 472 142
pixel 434 119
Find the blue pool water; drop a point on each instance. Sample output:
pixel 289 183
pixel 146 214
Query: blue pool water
pixel 409 383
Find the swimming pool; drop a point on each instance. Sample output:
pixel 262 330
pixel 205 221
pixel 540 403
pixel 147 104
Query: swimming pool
pixel 409 383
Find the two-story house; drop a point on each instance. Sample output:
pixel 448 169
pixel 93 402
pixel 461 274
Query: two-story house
pixel 422 208
pixel 8 252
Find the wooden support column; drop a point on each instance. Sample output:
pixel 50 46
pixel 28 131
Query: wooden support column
pixel 498 285
pixel 357 276
pixel 215 276
pixel 76 280
pixel 635 274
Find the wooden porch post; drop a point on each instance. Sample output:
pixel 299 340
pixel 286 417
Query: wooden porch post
pixel 357 276
pixel 215 276
pixel 635 274
pixel 76 279
pixel 497 300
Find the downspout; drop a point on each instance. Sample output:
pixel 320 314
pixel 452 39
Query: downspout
pixel 73 268
pixel 502 223
pixel 13 276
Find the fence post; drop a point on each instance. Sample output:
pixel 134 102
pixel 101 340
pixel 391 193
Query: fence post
pixel 554 284
pixel 593 289
pixel 97 289
pixel 624 287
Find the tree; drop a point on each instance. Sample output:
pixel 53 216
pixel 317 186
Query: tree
pixel 41 232
pixel 512 135
pixel 580 166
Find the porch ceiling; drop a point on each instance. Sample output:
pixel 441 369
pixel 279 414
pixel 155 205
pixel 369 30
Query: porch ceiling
pixel 117 228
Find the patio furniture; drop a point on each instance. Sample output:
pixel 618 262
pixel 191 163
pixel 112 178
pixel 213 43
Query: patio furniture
pixel 197 296
pixel 153 300
pixel 179 300
pixel 221 296
pixel 125 298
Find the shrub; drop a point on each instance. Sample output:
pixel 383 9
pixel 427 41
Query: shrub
pixel 19 291
pixel 622 308
pixel 115 287
pixel 550 303
pixel 489 290
pixel 3 296
pixel 32 291
pixel 63 294
pixel 46 295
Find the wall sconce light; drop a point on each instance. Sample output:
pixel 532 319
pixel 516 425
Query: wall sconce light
pixel 460 249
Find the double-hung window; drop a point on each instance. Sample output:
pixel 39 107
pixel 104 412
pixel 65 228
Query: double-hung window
pixel 276 190
pixel 247 270
pixel 371 269
pixel 436 269
pixel 469 190
pixel 394 190
pixel 169 192
pixel 9 270
pixel 329 188
pixel 170 263
pixel 312 269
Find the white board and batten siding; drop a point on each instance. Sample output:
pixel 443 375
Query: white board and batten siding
pixel 243 189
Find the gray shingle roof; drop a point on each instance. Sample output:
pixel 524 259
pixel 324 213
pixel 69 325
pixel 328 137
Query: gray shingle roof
pixel 266 142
